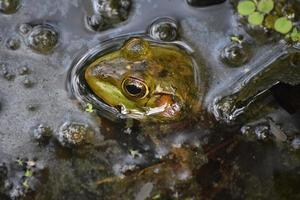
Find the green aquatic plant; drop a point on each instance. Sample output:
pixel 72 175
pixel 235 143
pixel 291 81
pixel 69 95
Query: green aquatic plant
pixel 28 173
pixel 283 25
pixel 89 108
pixel 236 39
pixel 246 7
pixel 265 6
pixel 259 13
pixel 255 10
pixel 256 18
pixel 295 35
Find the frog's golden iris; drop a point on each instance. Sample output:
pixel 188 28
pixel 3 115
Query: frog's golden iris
pixel 145 80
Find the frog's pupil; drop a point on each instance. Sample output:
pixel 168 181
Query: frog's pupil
pixel 133 89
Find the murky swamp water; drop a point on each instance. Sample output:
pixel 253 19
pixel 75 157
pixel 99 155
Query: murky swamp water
pixel 244 145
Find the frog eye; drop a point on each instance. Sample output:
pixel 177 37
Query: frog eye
pixel 134 87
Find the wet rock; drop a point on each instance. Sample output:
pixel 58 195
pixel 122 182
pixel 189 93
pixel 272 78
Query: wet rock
pixel 42 39
pixel 164 29
pixel 13 43
pixel 42 133
pixel 203 3
pixel 108 13
pixel 9 6
pixel 73 134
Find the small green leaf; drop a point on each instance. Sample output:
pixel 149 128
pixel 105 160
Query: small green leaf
pixel 20 162
pixel 256 18
pixel 265 6
pixel 89 108
pixel 236 39
pixel 246 7
pixel 295 35
pixel 25 184
pixel 28 173
pixel 283 25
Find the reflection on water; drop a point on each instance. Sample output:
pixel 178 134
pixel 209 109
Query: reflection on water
pixel 242 144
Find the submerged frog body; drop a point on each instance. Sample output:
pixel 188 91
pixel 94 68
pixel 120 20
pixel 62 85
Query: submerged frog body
pixel 145 80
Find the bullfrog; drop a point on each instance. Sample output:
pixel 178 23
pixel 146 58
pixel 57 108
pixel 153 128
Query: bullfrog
pixel 146 80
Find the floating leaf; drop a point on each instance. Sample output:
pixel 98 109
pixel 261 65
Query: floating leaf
pixel 246 7
pixel 283 25
pixel 265 6
pixel 256 18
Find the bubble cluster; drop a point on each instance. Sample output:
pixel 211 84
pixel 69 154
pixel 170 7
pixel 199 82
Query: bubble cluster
pixel 9 6
pixel 235 54
pixel 164 29
pixel 42 39
pixel 108 13
pixel 73 134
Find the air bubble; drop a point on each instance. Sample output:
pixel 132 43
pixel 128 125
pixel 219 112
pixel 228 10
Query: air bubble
pixel 28 83
pixel 24 70
pixel 42 39
pixel 9 6
pixel 24 29
pixel 13 43
pixel 164 29
pixel 42 133
pixel 235 54
pixel 75 134
pixel 95 22
pixel 32 107
pixel 5 73
pixel 108 13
